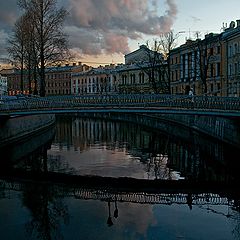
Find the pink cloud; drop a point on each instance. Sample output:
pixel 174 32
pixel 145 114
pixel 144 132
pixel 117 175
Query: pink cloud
pixel 107 25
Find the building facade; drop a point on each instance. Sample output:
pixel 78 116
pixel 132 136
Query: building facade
pixel 57 80
pixel 209 66
pixel 102 80
pixel 231 63
pixel 196 65
pixel 3 85
pixel 145 71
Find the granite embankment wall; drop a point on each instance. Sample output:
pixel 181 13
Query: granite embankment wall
pixel 19 128
pixel 223 129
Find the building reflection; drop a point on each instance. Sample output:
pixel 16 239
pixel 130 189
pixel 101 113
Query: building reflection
pixel 165 156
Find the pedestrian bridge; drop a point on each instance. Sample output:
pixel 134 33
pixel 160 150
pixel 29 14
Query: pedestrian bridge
pixel 123 103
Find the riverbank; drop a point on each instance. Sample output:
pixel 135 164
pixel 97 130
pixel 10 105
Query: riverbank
pixel 20 128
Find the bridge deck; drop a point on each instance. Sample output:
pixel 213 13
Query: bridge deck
pixel 147 103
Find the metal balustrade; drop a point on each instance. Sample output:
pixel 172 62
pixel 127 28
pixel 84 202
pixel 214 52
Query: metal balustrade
pixel 136 102
pixel 133 197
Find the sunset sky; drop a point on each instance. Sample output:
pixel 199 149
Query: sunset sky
pixel 103 31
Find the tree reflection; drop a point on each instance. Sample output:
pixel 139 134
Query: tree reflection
pixel 47 211
pixel 46 208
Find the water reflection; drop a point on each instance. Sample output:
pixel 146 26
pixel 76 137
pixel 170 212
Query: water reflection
pixel 103 147
pixel 64 212
pixel 75 210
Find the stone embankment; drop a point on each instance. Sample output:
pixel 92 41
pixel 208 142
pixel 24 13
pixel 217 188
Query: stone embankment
pixel 20 128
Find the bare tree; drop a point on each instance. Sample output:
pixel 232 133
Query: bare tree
pixel 153 65
pixel 158 62
pixel 16 48
pixel 202 51
pixel 167 42
pixel 30 50
pixel 205 50
pixel 50 41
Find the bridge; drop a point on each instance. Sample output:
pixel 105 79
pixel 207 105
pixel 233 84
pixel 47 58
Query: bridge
pixel 123 103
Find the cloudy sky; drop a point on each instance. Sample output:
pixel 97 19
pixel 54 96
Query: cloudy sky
pixel 104 30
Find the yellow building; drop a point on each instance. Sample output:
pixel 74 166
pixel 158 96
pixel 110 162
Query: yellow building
pixel 231 63
pixel 197 65
pixel 209 66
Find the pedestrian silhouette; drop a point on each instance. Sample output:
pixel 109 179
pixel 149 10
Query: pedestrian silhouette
pixel 109 220
pixel 189 200
pixel 115 214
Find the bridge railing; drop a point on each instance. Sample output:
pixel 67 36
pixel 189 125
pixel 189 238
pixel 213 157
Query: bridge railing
pixel 123 101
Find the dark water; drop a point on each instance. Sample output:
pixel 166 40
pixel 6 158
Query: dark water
pixel 111 149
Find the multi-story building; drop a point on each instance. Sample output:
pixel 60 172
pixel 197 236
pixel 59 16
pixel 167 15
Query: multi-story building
pixel 101 80
pixel 3 85
pixel 144 72
pixel 197 65
pixel 210 66
pixel 57 80
pixel 15 81
pixel 231 63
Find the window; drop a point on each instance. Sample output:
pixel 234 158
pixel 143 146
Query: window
pixel 140 77
pixel 211 87
pixel 218 70
pixel 230 51
pixel 230 69
pixel 235 48
pixel 211 51
pixel 236 68
pixel 212 70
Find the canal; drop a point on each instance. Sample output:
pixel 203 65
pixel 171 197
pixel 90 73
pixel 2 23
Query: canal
pixel 89 177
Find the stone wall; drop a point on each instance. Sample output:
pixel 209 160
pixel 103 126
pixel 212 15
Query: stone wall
pixel 18 128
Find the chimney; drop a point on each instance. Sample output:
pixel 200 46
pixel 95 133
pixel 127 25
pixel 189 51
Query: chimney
pixel 238 23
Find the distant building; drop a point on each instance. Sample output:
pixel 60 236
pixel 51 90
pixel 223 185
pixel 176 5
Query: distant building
pixel 3 85
pixel 14 81
pixel 145 71
pixel 214 59
pixel 101 80
pixel 231 63
pixel 197 65
pixel 57 79
pixel 138 56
